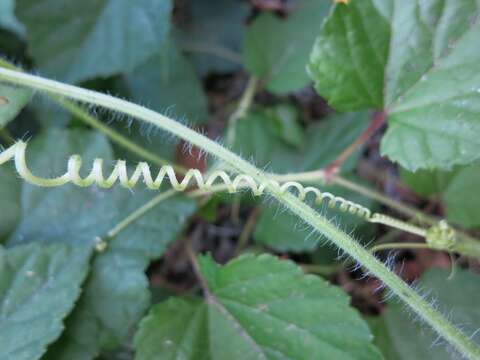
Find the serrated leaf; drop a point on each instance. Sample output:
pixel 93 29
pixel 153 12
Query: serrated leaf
pixel 116 293
pixel 38 287
pixel 257 307
pixel 348 58
pixel 98 38
pixel 404 339
pixel 212 49
pixel 416 60
pixel 277 49
pixel 168 83
pixel 12 101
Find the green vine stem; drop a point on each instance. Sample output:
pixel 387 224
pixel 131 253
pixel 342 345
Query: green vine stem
pixel 406 245
pixel 90 120
pixel 419 305
pixel 242 109
pixel 463 244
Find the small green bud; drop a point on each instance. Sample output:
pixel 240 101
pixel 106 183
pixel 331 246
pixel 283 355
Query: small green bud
pixel 441 236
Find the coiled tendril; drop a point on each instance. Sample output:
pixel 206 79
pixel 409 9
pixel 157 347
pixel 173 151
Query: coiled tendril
pixel 193 177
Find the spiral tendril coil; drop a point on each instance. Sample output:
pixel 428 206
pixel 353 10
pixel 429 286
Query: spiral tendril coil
pixel 193 178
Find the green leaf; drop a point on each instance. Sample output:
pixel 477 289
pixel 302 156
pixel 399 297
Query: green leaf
pixel 257 307
pixel 457 188
pixel 167 82
pixel 212 32
pixel 349 56
pixel 462 199
pixel 12 101
pixel 9 193
pixel 74 41
pixel 116 293
pixel 403 339
pixel 277 49
pixel 38 288
pixel 419 62
pixel 427 182
pixel 257 137
pixel 7 17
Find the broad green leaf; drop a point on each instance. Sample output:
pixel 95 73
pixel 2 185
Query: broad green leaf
pixel 212 33
pixel 349 56
pixel 12 101
pixel 402 339
pixel 168 83
pixel 462 199
pixel 257 137
pixel 419 62
pixel 78 40
pixel 256 307
pixel 277 49
pixel 427 182
pixel 7 17
pixel 116 293
pixel 9 195
pixel 457 189
pixel 282 231
pixel 38 287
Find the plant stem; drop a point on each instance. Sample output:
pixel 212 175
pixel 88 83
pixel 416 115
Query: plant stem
pixel 396 205
pixel 466 245
pixel 242 109
pixel 115 136
pixel 211 49
pixel 140 212
pixel 247 230
pixel 389 246
pixel 342 240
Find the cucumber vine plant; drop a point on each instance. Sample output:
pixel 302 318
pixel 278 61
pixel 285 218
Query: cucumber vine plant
pixel 246 171
pixel 353 87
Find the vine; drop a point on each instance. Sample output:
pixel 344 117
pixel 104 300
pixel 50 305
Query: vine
pixel 375 267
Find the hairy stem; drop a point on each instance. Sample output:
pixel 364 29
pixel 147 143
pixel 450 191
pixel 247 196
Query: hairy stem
pixel 465 245
pixel 390 246
pixel 375 267
pixel 115 136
